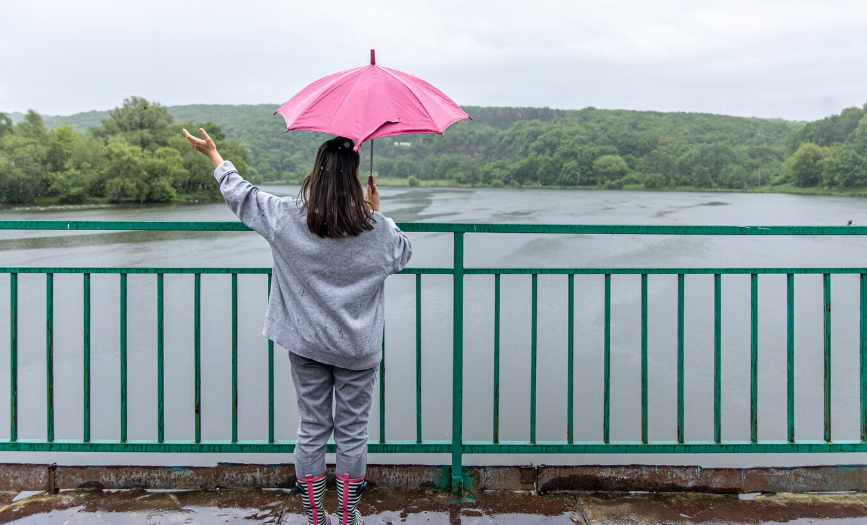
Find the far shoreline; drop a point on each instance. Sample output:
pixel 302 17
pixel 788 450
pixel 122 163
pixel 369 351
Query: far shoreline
pixel 52 203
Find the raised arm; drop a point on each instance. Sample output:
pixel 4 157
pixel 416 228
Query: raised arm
pixel 257 209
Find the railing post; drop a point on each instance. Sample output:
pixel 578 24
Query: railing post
pixel 827 331
pixel 234 357
pixel 458 366
pixel 790 356
pixel 49 355
pixel 123 356
pixel 418 358
pixel 197 358
pixel 86 357
pixel 270 378
pixel 13 357
pixel 161 341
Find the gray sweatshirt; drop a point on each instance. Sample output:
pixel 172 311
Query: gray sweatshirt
pixel 327 301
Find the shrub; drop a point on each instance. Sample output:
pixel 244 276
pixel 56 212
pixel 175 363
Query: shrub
pixel 654 181
pixel 74 196
pixel 161 190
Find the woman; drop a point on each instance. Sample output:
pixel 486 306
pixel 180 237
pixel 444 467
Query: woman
pixel 332 252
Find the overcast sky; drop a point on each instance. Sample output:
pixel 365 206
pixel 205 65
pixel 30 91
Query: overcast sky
pixel 783 58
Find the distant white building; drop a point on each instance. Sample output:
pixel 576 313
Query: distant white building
pixel 403 144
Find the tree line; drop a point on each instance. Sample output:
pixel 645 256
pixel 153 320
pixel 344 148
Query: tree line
pixel 526 147
pixel 136 152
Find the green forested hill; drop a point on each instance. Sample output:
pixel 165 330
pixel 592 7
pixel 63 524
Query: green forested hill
pixel 523 145
pixel 500 147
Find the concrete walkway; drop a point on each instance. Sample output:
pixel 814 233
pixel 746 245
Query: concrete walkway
pixel 141 507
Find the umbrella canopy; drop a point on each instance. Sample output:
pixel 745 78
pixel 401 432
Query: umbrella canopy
pixel 371 102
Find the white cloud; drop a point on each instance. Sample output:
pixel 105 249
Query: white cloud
pixel 796 59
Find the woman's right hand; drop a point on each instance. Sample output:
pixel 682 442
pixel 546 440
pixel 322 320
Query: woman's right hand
pixel 371 195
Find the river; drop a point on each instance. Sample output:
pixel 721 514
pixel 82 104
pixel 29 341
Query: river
pixel 53 248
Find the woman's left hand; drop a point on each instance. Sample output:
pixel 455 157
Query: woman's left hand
pixel 206 146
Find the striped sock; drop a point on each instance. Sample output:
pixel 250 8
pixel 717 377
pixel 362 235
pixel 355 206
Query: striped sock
pixel 348 494
pixel 312 490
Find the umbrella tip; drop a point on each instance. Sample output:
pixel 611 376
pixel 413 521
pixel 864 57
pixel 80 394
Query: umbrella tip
pixel 372 57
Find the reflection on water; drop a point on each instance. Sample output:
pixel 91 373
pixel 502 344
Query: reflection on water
pixel 84 240
pixel 239 249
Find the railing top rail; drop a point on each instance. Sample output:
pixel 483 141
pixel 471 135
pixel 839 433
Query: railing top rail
pixel 448 270
pixel 615 229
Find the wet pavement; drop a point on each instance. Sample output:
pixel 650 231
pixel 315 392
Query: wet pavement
pixel 151 507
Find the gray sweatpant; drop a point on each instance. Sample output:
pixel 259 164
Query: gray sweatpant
pixel 315 385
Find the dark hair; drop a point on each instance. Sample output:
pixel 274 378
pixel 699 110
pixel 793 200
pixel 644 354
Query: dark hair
pixel 332 192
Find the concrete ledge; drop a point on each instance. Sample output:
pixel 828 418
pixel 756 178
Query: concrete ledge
pixel 669 478
pixel 651 478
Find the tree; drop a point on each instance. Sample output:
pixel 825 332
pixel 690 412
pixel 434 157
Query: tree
pixel 654 181
pixel 495 171
pixel 59 147
pixel 610 168
pixel 830 130
pixel 859 138
pixel 124 173
pixel 23 176
pixel 570 174
pixel 549 171
pixel 141 123
pixel 5 124
pixel 660 160
pixel 526 169
pixel 160 190
pixel 733 176
pixel 843 167
pixel 449 167
pixel 805 165
pixel 471 172
pixel 404 166
pixel 167 164
pixel 384 167
pixel 32 127
pixel 704 166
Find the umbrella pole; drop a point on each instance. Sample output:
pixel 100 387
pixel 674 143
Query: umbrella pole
pixel 371 158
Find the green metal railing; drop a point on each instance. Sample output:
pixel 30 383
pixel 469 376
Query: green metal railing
pixel 458 446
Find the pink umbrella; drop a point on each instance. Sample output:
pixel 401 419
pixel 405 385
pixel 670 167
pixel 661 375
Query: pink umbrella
pixel 371 102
